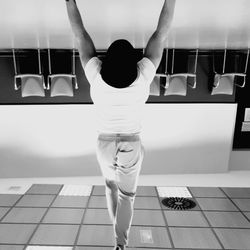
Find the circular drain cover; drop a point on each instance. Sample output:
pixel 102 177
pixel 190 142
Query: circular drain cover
pixel 178 203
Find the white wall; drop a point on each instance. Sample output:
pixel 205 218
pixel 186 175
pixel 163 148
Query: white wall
pixel 59 140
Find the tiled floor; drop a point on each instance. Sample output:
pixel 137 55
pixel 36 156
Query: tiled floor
pixel 45 219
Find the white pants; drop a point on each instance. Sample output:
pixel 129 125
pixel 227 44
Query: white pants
pixel 120 158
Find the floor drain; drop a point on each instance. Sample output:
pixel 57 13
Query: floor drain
pixel 178 203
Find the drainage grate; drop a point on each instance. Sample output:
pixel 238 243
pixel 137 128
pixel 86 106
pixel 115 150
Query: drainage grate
pixel 178 203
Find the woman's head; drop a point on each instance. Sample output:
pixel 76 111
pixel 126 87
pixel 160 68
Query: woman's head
pixel 119 68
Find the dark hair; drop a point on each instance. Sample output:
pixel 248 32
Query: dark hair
pixel 119 67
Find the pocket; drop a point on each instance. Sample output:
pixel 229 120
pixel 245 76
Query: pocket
pixel 128 154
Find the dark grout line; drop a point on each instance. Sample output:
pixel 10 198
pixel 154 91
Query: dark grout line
pixel 147 209
pixel 222 198
pixel 133 225
pixel 74 208
pixel 101 246
pixel 40 194
pixel 86 207
pixel 165 220
pixel 12 244
pixel 12 207
pixel 179 248
pixel 39 223
pixel 48 245
pixel 148 196
pixel 83 216
pixel 210 226
pixel 231 199
pixel 141 196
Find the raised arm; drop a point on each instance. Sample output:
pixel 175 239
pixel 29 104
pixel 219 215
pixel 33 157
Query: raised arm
pixel 84 42
pixel 156 43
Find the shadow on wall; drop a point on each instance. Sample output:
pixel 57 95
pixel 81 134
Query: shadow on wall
pixel 18 163
pixel 193 159
pixel 200 158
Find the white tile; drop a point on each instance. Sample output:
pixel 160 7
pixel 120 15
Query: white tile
pixel 76 190
pixel 247 115
pixel 174 192
pixel 14 189
pixel 245 126
pixel 48 248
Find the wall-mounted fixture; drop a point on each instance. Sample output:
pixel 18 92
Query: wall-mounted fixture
pixel 176 84
pixel 225 83
pixel 30 84
pixel 62 84
pixel 246 123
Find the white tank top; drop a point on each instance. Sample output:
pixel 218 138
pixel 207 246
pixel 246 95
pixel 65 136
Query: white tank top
pixel 119 110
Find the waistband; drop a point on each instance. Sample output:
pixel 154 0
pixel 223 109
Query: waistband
pixel 121 136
